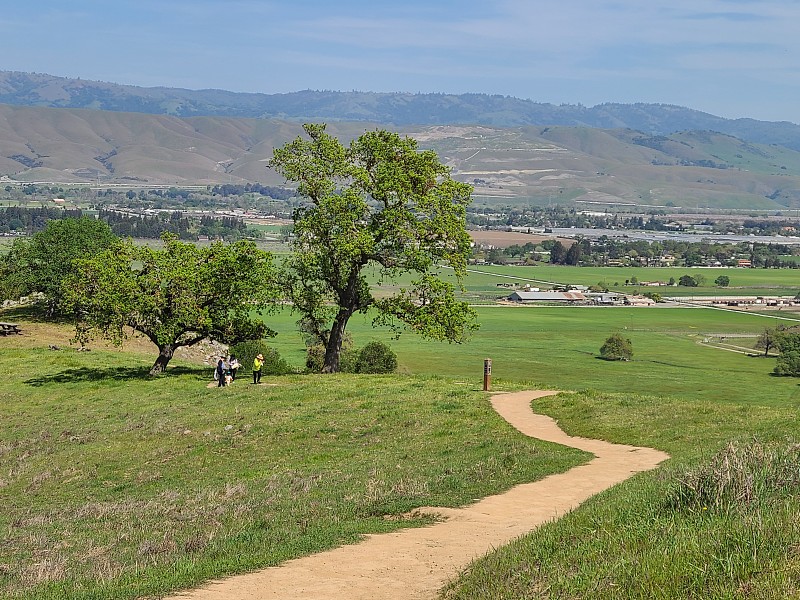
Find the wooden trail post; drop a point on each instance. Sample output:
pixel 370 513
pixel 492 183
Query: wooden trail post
pixel 487 374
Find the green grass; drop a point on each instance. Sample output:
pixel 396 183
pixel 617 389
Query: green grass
pixel 115 485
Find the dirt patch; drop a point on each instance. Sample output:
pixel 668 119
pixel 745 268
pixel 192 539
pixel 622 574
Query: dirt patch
pixel 416 563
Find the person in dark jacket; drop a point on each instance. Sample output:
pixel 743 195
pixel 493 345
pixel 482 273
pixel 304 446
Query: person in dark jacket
pixel 220 373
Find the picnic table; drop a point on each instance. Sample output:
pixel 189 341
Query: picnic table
pixel 9 328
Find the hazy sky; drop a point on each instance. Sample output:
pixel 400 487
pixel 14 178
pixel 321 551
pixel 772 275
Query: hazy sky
pixel 733 58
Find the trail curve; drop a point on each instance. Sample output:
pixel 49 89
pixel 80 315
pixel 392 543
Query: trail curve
pixel 413 564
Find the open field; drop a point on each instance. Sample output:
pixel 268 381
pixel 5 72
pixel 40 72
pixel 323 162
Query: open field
pixel 743 282
pixel 115 485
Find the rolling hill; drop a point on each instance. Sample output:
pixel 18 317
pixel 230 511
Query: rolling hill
pixel 509 165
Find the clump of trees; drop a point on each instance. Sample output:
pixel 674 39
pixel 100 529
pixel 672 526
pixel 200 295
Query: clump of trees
pixel 617 347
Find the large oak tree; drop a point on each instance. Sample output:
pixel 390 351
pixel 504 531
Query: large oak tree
pixel 379 202
pixel 175 297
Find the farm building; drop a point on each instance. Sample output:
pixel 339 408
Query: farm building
pixel 521 296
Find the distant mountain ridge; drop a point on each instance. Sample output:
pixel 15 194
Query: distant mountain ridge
pixel 34 89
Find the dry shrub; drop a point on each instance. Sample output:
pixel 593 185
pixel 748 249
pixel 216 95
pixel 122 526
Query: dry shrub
pixel 47 570
pixel 739 476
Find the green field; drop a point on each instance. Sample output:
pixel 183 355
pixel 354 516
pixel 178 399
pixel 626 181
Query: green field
pixel 743 282
pixel 116 485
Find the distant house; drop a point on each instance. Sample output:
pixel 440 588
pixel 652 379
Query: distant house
pixel 606 298
pixel 521 296
pixel 742 262
pixel 639 301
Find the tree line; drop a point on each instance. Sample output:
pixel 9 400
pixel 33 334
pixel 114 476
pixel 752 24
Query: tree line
pixel 605 251
pixel 32 220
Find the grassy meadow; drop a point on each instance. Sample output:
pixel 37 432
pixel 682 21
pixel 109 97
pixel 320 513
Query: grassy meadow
pixel 117 485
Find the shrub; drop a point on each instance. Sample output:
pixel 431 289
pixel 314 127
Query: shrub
pixel 376 357
pixel 617 347
pixel 315 359
pixel 273 363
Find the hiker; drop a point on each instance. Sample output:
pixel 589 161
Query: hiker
pixel 258 362
pixel 233 366
pixel 219 373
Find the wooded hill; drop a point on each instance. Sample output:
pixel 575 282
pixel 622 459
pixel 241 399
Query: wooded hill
pixel 519 165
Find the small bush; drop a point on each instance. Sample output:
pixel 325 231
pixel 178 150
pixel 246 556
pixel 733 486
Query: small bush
pixel 617 347
pixel 376 357
pixel 273 363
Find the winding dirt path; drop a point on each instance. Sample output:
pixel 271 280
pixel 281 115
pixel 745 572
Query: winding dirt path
pixel 416 563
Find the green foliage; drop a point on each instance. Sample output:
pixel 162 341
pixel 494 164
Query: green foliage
pixel 687 281
pixel 617 347
pixel 43 262
pixel 376 357
pixel 175 297
pixel 246 352
pixel 380 203
pixel 788 363
pixel 723 281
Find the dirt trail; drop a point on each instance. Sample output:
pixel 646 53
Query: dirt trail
pixel 416 563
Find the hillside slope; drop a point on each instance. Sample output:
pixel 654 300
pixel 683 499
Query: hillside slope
pixel 506 165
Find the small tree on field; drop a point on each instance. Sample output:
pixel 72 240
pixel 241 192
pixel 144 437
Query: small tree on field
pixel 723 281
pixel 687 281
pixel 175 297
pixel 617 347
pixel 768 339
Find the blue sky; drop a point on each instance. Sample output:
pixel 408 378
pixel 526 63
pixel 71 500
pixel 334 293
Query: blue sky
pixel 732 58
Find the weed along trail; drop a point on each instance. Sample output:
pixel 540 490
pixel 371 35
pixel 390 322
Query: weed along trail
pixel 416 563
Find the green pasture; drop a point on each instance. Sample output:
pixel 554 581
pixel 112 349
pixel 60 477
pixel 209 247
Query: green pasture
pixel 558 347
pixel 743 282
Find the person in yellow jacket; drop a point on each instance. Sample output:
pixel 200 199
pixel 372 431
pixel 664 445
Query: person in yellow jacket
pixel 258 362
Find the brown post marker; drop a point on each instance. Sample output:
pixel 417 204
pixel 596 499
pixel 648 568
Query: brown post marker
pixel 487 374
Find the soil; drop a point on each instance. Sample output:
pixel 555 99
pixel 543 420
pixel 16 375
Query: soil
pixel 416 563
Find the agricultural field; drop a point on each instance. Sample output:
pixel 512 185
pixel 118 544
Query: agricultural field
pixel 117 485
pixel 743 282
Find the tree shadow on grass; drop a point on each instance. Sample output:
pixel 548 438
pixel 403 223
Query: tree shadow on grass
pixel 85 374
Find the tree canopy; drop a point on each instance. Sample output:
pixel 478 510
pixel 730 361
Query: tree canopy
pixel 382 203
pixel 175 297
pixel 41 263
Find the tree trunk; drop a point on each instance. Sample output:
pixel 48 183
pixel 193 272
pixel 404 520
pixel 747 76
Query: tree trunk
pixel 165 353
pixel 333 350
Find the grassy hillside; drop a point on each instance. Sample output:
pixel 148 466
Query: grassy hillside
pixel 530 165
pixel 116 485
